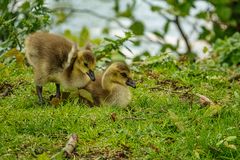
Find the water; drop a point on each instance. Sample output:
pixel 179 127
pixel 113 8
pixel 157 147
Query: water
pixel 152 21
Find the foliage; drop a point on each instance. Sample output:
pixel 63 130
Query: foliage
pixel 13 55
pixel 222 14
pixel 19 18
pixel 165 120
pixel 106 49
pixel 228 50
pixel 82 39
pixel 227 12
pixel 112 47
pixel 218 19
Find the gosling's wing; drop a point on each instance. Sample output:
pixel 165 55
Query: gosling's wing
pixel 48 48
pixel 71 55
pixel 85 95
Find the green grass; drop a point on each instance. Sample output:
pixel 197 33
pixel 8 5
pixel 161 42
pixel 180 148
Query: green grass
pixel 164 120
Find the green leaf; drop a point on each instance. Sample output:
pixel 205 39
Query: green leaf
pixel 118 57
pixel 105 30
pixel 84 37
pixel 219 143
pixel 40 2
pixel 166 27
pixel 127 13
pixel 196 154
pixel 160 35
pixel 61 17
pixel 228 50
pixel 213 110
pixel 136 42
pixel 137 28
pixel 116 6
pixel 231 146
pixel 202 15
pixel 224 13
pixel 236 95
pixel 67 33
pixel 176 120
pixel 155 8
pixel 26 6
pixel 43 156
pixel 185 8
pixel 205 34
pixel 96 41
pixel 205 49
pixel 230 138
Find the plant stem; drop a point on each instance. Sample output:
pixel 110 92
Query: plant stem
pixel 189 50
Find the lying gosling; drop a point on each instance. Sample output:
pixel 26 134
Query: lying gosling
pixel 111 87
pixel 55 59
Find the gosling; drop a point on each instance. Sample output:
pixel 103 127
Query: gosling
pixel 110 88
pixel 56 59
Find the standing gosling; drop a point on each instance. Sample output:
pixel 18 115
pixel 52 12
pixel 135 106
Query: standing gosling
pixel 111 87
pixel 55 59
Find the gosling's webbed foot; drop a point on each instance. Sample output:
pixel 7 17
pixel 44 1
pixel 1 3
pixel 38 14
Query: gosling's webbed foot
pixel 58 93
pixel 40 98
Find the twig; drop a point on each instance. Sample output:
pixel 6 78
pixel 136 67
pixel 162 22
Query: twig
pixel 177 23
pixel 71 145
pixel 189 50
pixel 90 12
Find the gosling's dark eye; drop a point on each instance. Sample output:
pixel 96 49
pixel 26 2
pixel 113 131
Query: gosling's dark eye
pixel 85 64
pixel 124 75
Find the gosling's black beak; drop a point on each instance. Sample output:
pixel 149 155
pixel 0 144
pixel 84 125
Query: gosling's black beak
pixel 91 75
pixel 131 83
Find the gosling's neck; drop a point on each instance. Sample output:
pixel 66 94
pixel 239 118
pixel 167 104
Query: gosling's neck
pixel 74 78
pixel 106 82
pixel 73 71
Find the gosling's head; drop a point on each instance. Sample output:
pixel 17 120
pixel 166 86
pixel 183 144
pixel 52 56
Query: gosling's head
pixel 86 63
pixel 120 73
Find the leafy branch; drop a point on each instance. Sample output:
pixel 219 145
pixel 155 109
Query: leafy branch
pixel 112 45
pixel 184 36
pixel 174 20
pixel 18 20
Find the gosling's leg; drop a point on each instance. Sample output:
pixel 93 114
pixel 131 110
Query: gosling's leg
pixel 58 94
pixel 39 93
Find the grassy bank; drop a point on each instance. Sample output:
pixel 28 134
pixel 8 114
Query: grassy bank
pixel 165 120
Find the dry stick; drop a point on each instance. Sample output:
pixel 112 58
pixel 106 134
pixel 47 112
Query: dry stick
pixel 69 147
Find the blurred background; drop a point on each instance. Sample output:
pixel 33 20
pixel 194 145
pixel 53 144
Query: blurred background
pixel 130 29
pixel 140 14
